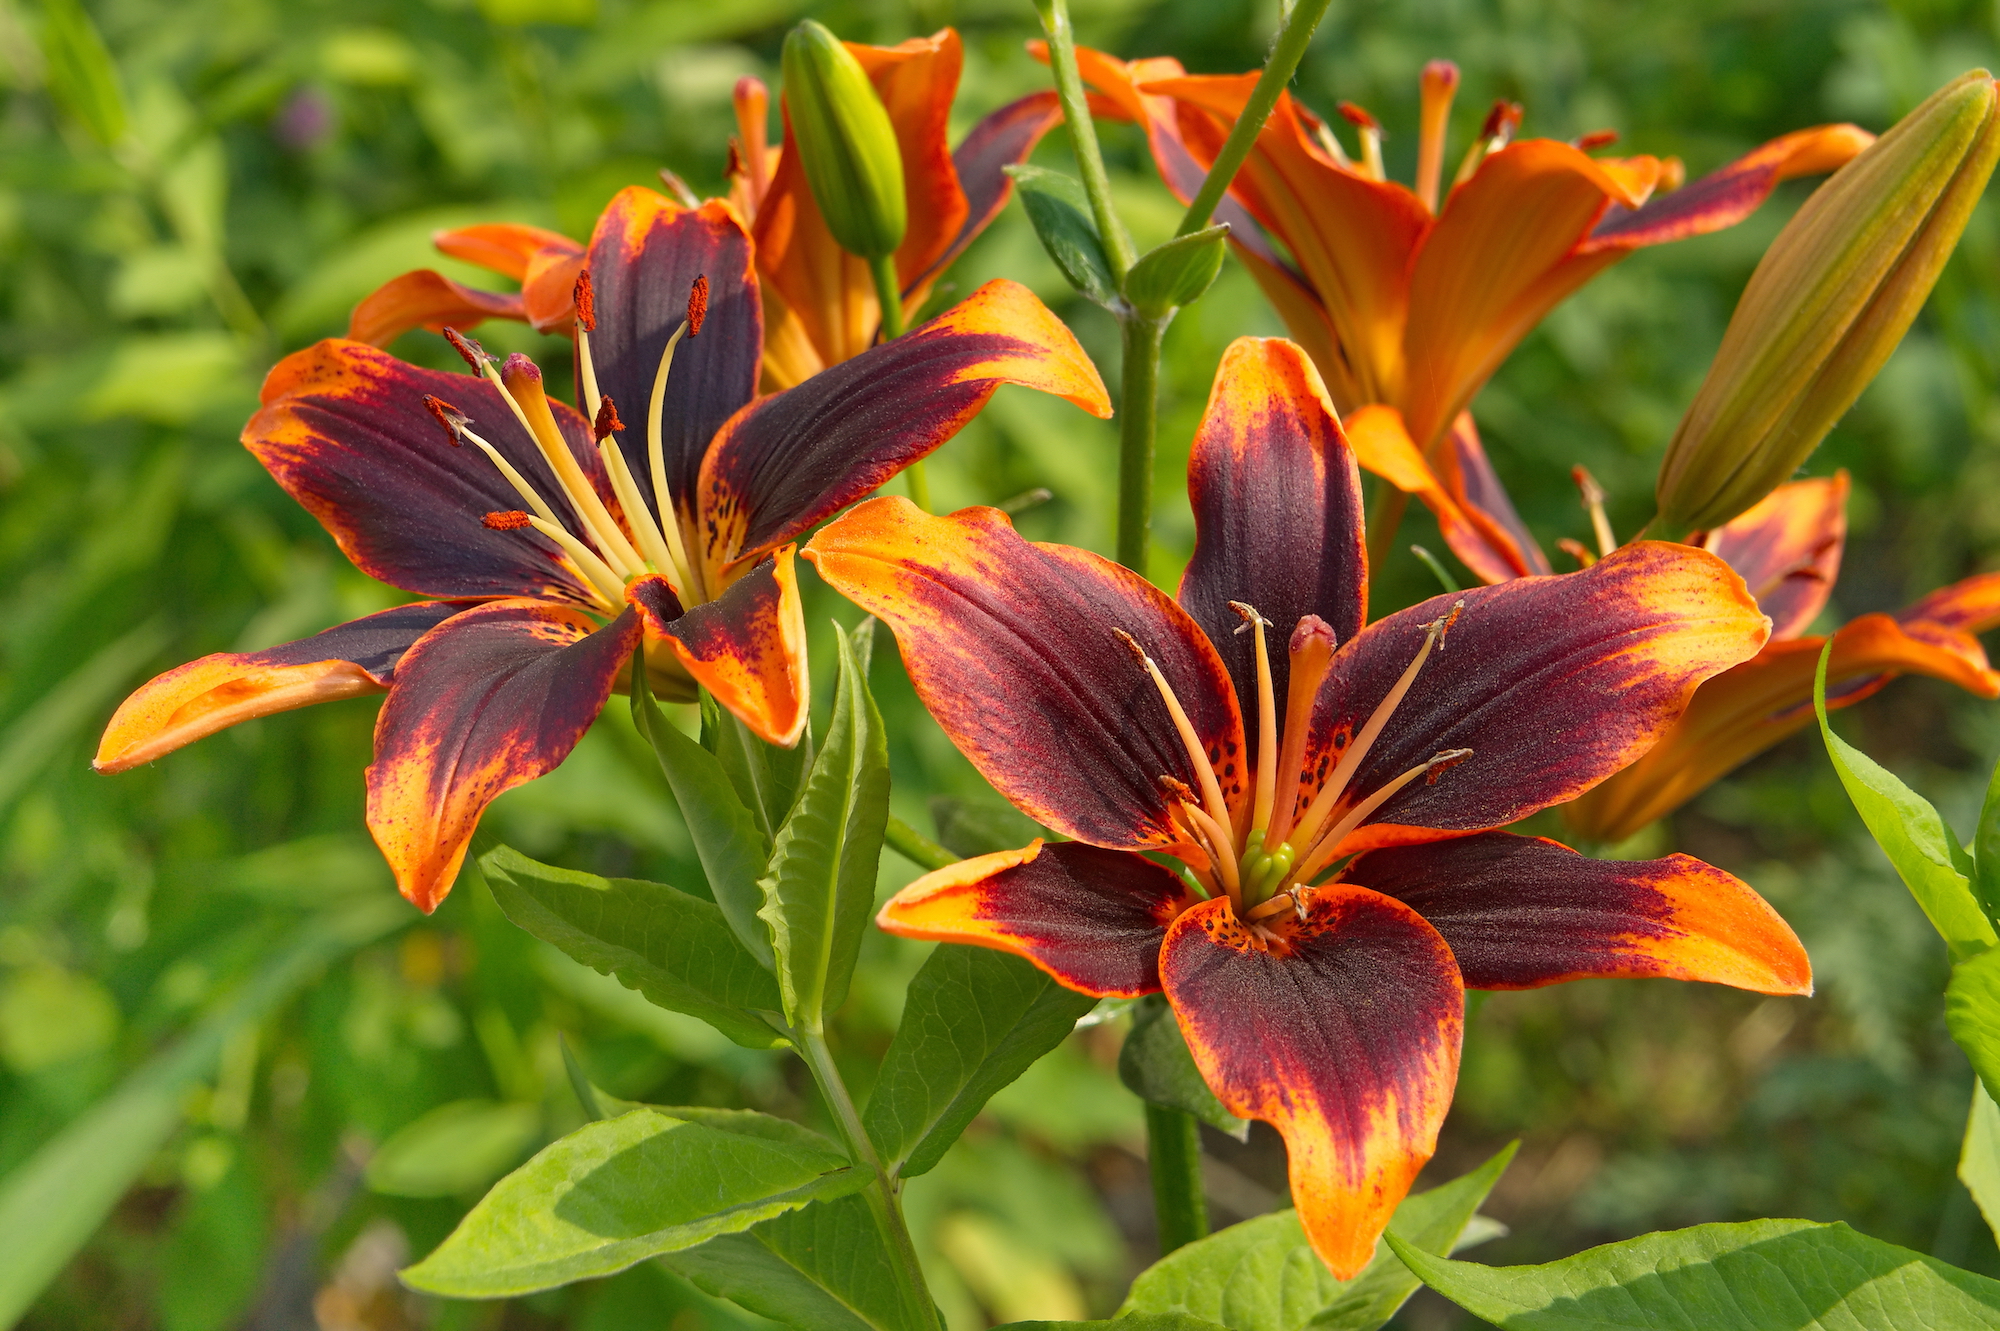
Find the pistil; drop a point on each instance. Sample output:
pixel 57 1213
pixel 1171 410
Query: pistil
pixel 1311 650
pixel 1440 83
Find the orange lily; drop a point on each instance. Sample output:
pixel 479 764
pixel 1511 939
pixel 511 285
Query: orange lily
pixel 820 306
pixel 1410 299
pixel 1788 550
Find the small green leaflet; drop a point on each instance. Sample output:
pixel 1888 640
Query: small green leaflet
pixel 820 888
pixel 1912 835
pixel 1155 1065
pixel 765 777
pixel 674 948
pixel 614 1193
pixel 1979 1159
pixel 973 1022
pixel 1176 273
pixel 1765 1275
pixel 1060 213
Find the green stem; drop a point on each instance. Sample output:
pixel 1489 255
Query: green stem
pixel 1286 53
pixel 917 848
pixel 881 1195
pixel 889 295
pixel 1173 1152
pixel 1138 415
pixel 1083 134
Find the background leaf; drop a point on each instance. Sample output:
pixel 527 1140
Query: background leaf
pixel 454 1148
pixel 1979 1158
pixel 1155 1065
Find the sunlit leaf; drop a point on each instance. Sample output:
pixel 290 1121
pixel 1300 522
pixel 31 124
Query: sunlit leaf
pixel 454 1148
pixel 1979 1158
pixel 1177 272
pixel 822 1268
pixel 1972 1013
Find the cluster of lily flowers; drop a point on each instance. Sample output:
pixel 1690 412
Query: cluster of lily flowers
pixel 1333 790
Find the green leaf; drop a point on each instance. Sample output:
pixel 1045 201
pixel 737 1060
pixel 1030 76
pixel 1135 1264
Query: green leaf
pixel 1979 1158
pixel 765 776
pixel 676 949
pixel 1972 1012
pixel 1986 851
pixel 822 1268
pixel 1176 273
pixel 973 1022
pixel 1262 1275
pixel 453 1149
pixel 820 888
pixel 80 73
pixel 732 851
pixel 1912 835
pixel 614 1193
pixel 1143 1322
pixel 1764 1275
pixel 1060 212
pixel 1155 1065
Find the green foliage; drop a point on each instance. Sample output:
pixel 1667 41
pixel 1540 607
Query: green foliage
pixel 1155 1065
pixel 821 1268
pixel 1979 1158
pixel 1972 1012
pixel 821 883
pixel 456 1148
pixel 973 1022
pixel 1060 211
pixel 1177 272
pixel 617 1192
pixel 1765 1275
pixel 675 949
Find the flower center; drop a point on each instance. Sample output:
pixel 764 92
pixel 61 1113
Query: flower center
pixel 1266 855
pixel 608 552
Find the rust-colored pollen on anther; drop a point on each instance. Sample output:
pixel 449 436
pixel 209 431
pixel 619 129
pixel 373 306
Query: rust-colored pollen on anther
pixel 1179 789
pixel 1444 762
pixel 1131 645
pixel 1355 115
pixel 607 421
pixel 733 167
pixel 586 302
pixel 1597 138
pixel 697 305
pixel 506 519
pixel 475 355
pixel 451 418
pixel 1442 624
pixel 1502 120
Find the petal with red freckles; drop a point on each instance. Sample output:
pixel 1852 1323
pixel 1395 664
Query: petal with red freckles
pixel 1011 647
pixel 1788 548
pixel 504 247
pixel 1744 711
pixel 1277 510
pixel 426 299
pixel 1554 683
pixel 1522 912
pixel 1342 1031
pixel 1093 919
pixel 643 261
pixel 491 698
pixel 344 429
pixel 1726 196
pixel 790 460
pixel 193 701
pixel 747 646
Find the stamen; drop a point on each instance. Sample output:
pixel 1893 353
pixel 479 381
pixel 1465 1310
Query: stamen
pixel 508 519
pixel 609 586
pixel 1350 761
pixel 1371 139
pixel 475 355
pixel 656 451
pixel 514 478
pixel 1213 838
pixel 1328 846
pixel 451 418
pixel 658 553
pixel 677 187
pixel 753 104
pixel 1576 550
pixel 607 422
pixel 1593 503
pixel 697 304
pixel 1211 789
pixel 522 381
pixel 1440 82
pixel 584 298
pixel 1311 651
pixel 1494 134
pixel 1277 905
pixel 1322 134
pixel 1597 138
pixel 1267 718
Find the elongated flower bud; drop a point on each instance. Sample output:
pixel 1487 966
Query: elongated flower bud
pixel 845 141
pixel 1831 299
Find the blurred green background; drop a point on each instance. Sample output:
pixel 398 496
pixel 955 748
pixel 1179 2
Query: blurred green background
pixel 217 1020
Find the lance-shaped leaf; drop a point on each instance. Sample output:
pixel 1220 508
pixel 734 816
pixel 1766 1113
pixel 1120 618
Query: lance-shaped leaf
pixel 1764 1275
pixel 1060 213
pixel 973 1022
pixel 1155 1065
pixel 614 1193
pixel 822 1268
pixel 1972 1012
pixel 1176 273
pixel 732 851
pixel 1979 1158
pixel 821 883
pixel 1263 1275
pixel 1986 851
pixel 674 948
pixel 1912 835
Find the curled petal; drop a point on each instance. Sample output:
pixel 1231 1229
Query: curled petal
pixel 1004 138
pixel 506 248
pixel 1971 605
pixel 1093 919
pixel 1472 509
pixel 495 696
pixel 193 701
pixel 548 290
pixel 1012 647
pixel 1342 1031
pixel 747 647
pixel 1522 912
pixel 426 299
pixel 1787 547
pixel 788 461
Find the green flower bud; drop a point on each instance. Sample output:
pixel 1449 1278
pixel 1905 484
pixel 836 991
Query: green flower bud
pixel 1831 299
pixel 845 141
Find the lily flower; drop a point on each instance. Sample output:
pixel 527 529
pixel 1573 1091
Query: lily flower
pixel 820 306
pixel 1408 298
pixel 1788 550
pixel 553 544
pixel 1329 789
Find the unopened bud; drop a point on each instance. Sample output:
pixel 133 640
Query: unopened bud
pixel 1831 299
pixel 845 141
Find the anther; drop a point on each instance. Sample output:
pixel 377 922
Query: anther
pixel 507 519
pixel 1593 504
pixel 451 418
pixel 1576 550
pixel 607 421
pixel 1439 84
pixel 1494 134
pixel 1597 138
pixel 1371 139
pixel 697 305
pixel 1132 646
pixel 1211 789
pixel 1441 763
pixel 586 301
pixel 475 355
